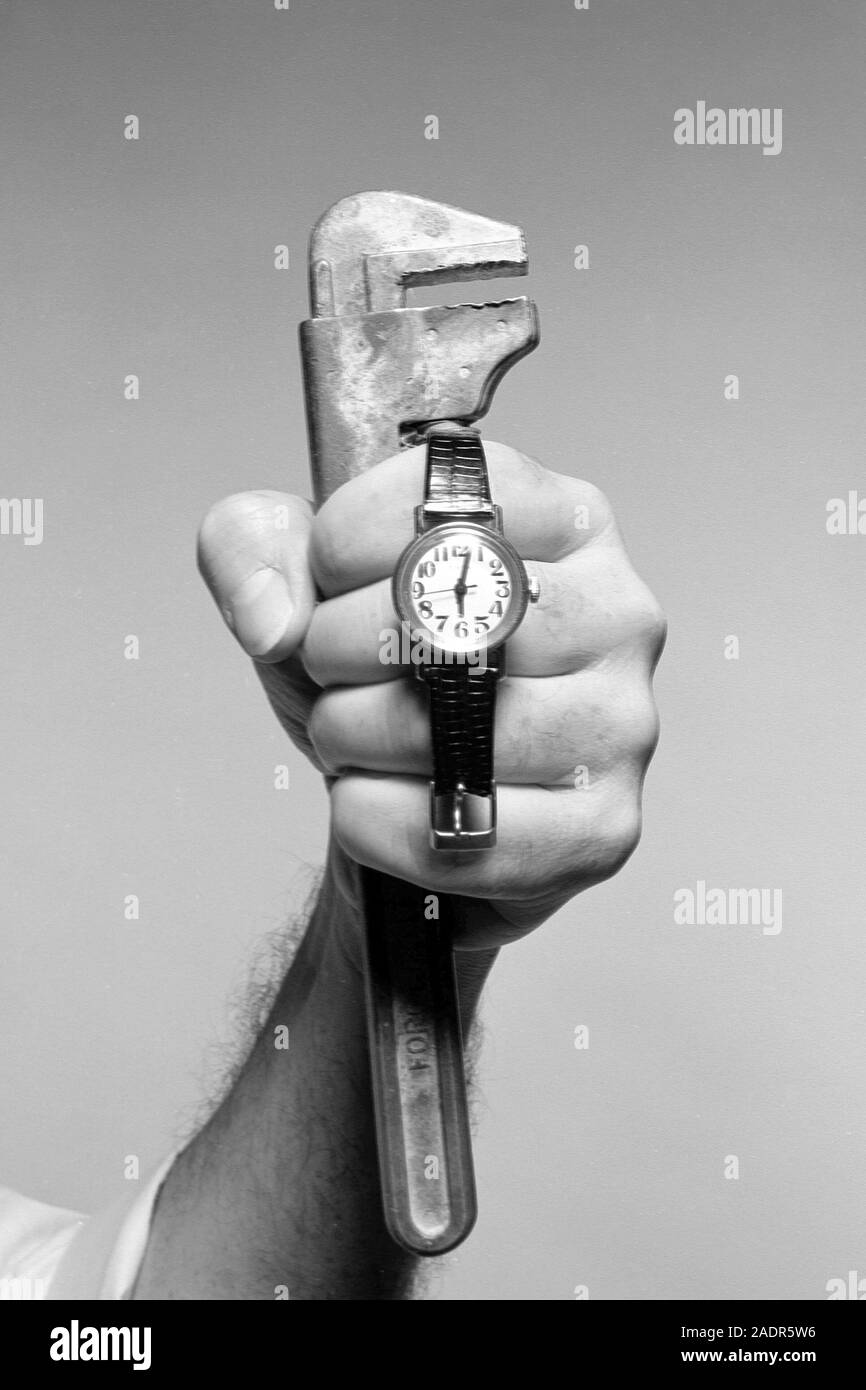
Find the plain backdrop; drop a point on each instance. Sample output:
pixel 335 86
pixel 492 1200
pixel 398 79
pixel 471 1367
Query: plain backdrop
pixel 601 1167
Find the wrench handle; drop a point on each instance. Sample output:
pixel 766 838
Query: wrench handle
pixel 416 1062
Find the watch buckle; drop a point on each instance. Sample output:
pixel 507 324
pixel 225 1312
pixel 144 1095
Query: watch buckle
pixel 462 820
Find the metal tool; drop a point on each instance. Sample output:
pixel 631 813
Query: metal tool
pixel 376 374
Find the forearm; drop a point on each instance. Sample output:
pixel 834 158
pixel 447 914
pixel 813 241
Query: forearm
pixel 281 1189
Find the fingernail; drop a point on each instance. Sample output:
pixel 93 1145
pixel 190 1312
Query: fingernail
pixel 260 611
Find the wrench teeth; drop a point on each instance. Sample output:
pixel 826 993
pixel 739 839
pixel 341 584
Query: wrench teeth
pixel 376 243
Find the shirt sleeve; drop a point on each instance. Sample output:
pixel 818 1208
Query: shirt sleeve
pixel 49 1252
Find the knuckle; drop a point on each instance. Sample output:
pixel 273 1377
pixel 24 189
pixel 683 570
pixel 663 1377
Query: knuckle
pixel 521 874
pixel 637 724
pixel 597 503
pixel 532 468
pixel 609 722
pixel 654 624
pixel 585 853
pixel 506 458
pixel 646 618
pixel 617 833
pixel 517 876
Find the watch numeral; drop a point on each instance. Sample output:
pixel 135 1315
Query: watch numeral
pixel 425 608
pixel 417 589
pixel 495 611
pixel 503 591
pixel 441 619
pixel 427 569
pixel 461 629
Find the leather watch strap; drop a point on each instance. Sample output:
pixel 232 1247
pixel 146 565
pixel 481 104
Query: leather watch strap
pixel 462 705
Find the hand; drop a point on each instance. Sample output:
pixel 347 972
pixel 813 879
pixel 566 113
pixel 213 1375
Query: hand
pixel 576 722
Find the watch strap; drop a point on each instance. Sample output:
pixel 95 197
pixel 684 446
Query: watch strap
pixel 462 706
pixel 462 694
pixel 456 478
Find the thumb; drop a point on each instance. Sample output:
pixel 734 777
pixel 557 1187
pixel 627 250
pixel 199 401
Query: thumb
pixel 253 554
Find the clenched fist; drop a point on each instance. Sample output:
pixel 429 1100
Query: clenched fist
pixel 309 599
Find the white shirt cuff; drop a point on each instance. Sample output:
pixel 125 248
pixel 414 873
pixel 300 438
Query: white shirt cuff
pixel 104 1257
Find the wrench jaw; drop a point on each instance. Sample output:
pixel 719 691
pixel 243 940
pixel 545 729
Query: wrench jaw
pixel 367 248
pixel 371 380
pixel 375 371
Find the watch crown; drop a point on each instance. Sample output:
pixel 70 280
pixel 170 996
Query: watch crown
pixel 534 590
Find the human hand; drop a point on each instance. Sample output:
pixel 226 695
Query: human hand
pixel 309 598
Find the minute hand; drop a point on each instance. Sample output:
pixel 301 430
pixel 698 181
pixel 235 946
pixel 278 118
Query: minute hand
pixel 460 588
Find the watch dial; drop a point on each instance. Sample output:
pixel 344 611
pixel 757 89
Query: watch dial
pixel 462 588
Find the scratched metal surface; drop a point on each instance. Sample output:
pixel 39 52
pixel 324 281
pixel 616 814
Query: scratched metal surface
pixel 373 368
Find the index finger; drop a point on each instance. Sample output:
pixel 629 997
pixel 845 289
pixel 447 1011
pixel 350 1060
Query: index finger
pixel 363 528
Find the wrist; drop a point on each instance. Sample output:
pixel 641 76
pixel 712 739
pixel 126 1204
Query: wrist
pixel 339 917
pixel 339 912
pixel 471 969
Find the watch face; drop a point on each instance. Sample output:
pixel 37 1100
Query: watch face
pixel 461 587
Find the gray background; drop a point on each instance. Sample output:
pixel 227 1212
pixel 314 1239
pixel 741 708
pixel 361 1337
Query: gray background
pixel 602 1167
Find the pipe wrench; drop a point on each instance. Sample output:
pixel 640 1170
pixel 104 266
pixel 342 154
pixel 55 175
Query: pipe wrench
pixel 377 374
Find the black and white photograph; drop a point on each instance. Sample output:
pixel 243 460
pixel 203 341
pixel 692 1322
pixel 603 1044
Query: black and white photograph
pixel 432 533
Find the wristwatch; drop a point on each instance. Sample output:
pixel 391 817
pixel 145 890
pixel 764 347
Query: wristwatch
pixel 461 589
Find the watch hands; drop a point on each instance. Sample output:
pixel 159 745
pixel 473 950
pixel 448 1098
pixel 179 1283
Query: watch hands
pixel 460 588
pixel 429 593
